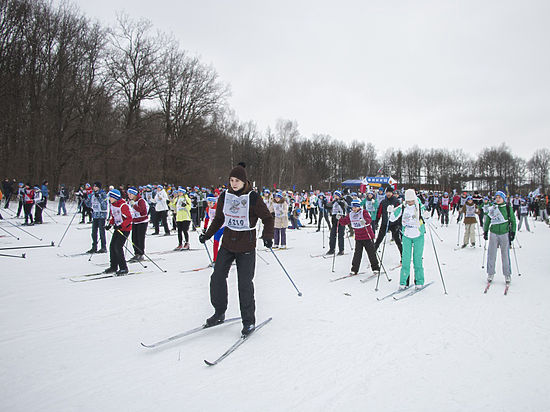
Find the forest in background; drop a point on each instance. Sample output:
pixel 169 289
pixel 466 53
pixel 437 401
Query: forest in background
pixel 127 104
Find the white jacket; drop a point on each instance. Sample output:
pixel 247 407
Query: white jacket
pixel 161 201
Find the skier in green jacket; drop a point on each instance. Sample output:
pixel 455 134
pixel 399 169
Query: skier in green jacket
pixel 500 221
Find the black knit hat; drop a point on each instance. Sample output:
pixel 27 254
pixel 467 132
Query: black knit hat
pixel 389 189
pixel 239 172
pixel 97 184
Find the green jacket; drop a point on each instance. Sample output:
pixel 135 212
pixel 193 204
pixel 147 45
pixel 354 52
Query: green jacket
pixel 509 225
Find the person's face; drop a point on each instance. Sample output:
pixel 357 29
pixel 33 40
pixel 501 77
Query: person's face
pixel 112 199
pixel 410 202
pixel 236 184
pixel 389 194
pixel 132 196
pixel 499 200
pixel 96 188
pixel 356 209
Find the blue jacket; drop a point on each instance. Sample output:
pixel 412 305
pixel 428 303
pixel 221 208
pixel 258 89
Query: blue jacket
pixel 97 201
pixel 44 190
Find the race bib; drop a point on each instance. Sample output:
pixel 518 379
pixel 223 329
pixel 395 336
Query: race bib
pixel 496 216
pixel 523 210
pixel 369 206
pixel 409 217
pixel 357 220
pixel 117 215
pixel 445 201
pixel 279 209
pixel 236 210
pixel 470 211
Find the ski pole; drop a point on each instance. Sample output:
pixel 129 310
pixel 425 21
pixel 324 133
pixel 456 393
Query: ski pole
pixel 517 241
pixel 289 278
pixel 64 233
pixel 458 235
pixel 141 251
pixel 208 253
pixel 22 256
pixel 26 247
pixel 323 226
pixel 334 253
pixel 261 257
pixel 516 258
pixel 484 251
pixel 23 230
pixel 44 209
pixel 438 265
pixel 382 257
pixel 435 231
pixel 9 233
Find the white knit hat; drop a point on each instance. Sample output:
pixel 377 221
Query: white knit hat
pixel 410 194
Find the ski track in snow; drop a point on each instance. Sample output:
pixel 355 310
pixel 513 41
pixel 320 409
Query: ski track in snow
pixel 76 346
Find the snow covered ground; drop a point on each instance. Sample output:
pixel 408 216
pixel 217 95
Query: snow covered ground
pixel 68 346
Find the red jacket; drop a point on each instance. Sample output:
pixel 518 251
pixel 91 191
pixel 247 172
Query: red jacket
pixel 121 216
pixel 362 233
pixel 140 210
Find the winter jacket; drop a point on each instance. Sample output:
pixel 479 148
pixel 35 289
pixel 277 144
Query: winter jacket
pixel 503 213
pixel 411 219
pixel 242 241
pixel 181 205
pixel 470 212
pixel 361 223
pixel 139 210
pixel 161 201
pixel 280 209
pixel 121 216
pixel 383 209
pixel 97 201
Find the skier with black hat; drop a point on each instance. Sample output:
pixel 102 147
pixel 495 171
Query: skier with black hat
pixel 239 209
pixel 386 206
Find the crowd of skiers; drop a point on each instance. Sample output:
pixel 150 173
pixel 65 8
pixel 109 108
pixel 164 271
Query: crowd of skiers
pixel 230 215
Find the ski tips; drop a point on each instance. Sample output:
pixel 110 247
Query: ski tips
pixel 209 363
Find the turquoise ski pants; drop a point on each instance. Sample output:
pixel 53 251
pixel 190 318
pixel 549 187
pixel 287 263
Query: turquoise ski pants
pixel 414 247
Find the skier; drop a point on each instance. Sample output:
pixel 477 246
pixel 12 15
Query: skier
pixel 444 208
pixel 63 195
pixel 469 210
pixel 360 220
pixel 38 205
pixel 182 205
pixel 99 207
pixel 239 208
pixel 27 207
pixel 20 198
pixel 211 214
pixel 140 219
pixel 523 212
pixel 501 222
pixel 280 207
pixel 121 219
pixel 338 208
pixel 323 212
pixel 370 204
pixel 386 225
pixel 411 213
pixel 161 208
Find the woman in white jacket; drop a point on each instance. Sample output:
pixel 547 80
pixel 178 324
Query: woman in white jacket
pixel 161 207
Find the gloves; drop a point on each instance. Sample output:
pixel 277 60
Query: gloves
pixel 390 209
pixel 108 227
pixel 512 236
pixel 202 238
pixel 268 243
pixel 486 235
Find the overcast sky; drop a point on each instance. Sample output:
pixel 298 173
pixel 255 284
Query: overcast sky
pixel 454 74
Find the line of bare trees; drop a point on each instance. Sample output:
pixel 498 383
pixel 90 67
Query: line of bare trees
pixel 126 104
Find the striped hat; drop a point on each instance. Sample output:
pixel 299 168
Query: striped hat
pixel 114 193
pixel 337 193
pixel 355 203
pixel 501 194
pixel 133 191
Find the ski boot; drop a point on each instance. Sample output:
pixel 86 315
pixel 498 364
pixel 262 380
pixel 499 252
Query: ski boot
pixel 248 328
pixel 215 319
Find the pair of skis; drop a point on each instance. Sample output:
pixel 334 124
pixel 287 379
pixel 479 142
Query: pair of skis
pixel 102 275
pixel 505 288
pixel 228 352
pixel 347 276
pixel 398 294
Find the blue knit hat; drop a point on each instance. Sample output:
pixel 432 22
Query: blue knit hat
pixel 133 191
pixel 501 194
pixel 337 193
pixel 213 199
pixel 115 194
pixel 355 203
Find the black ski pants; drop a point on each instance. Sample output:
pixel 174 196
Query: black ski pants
pixel 336 229
pixel 246 264
pixel 116 249
pixel 138 237
pixel 368 245
pixel 323 214
pixel 183 229
pixel 161 216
